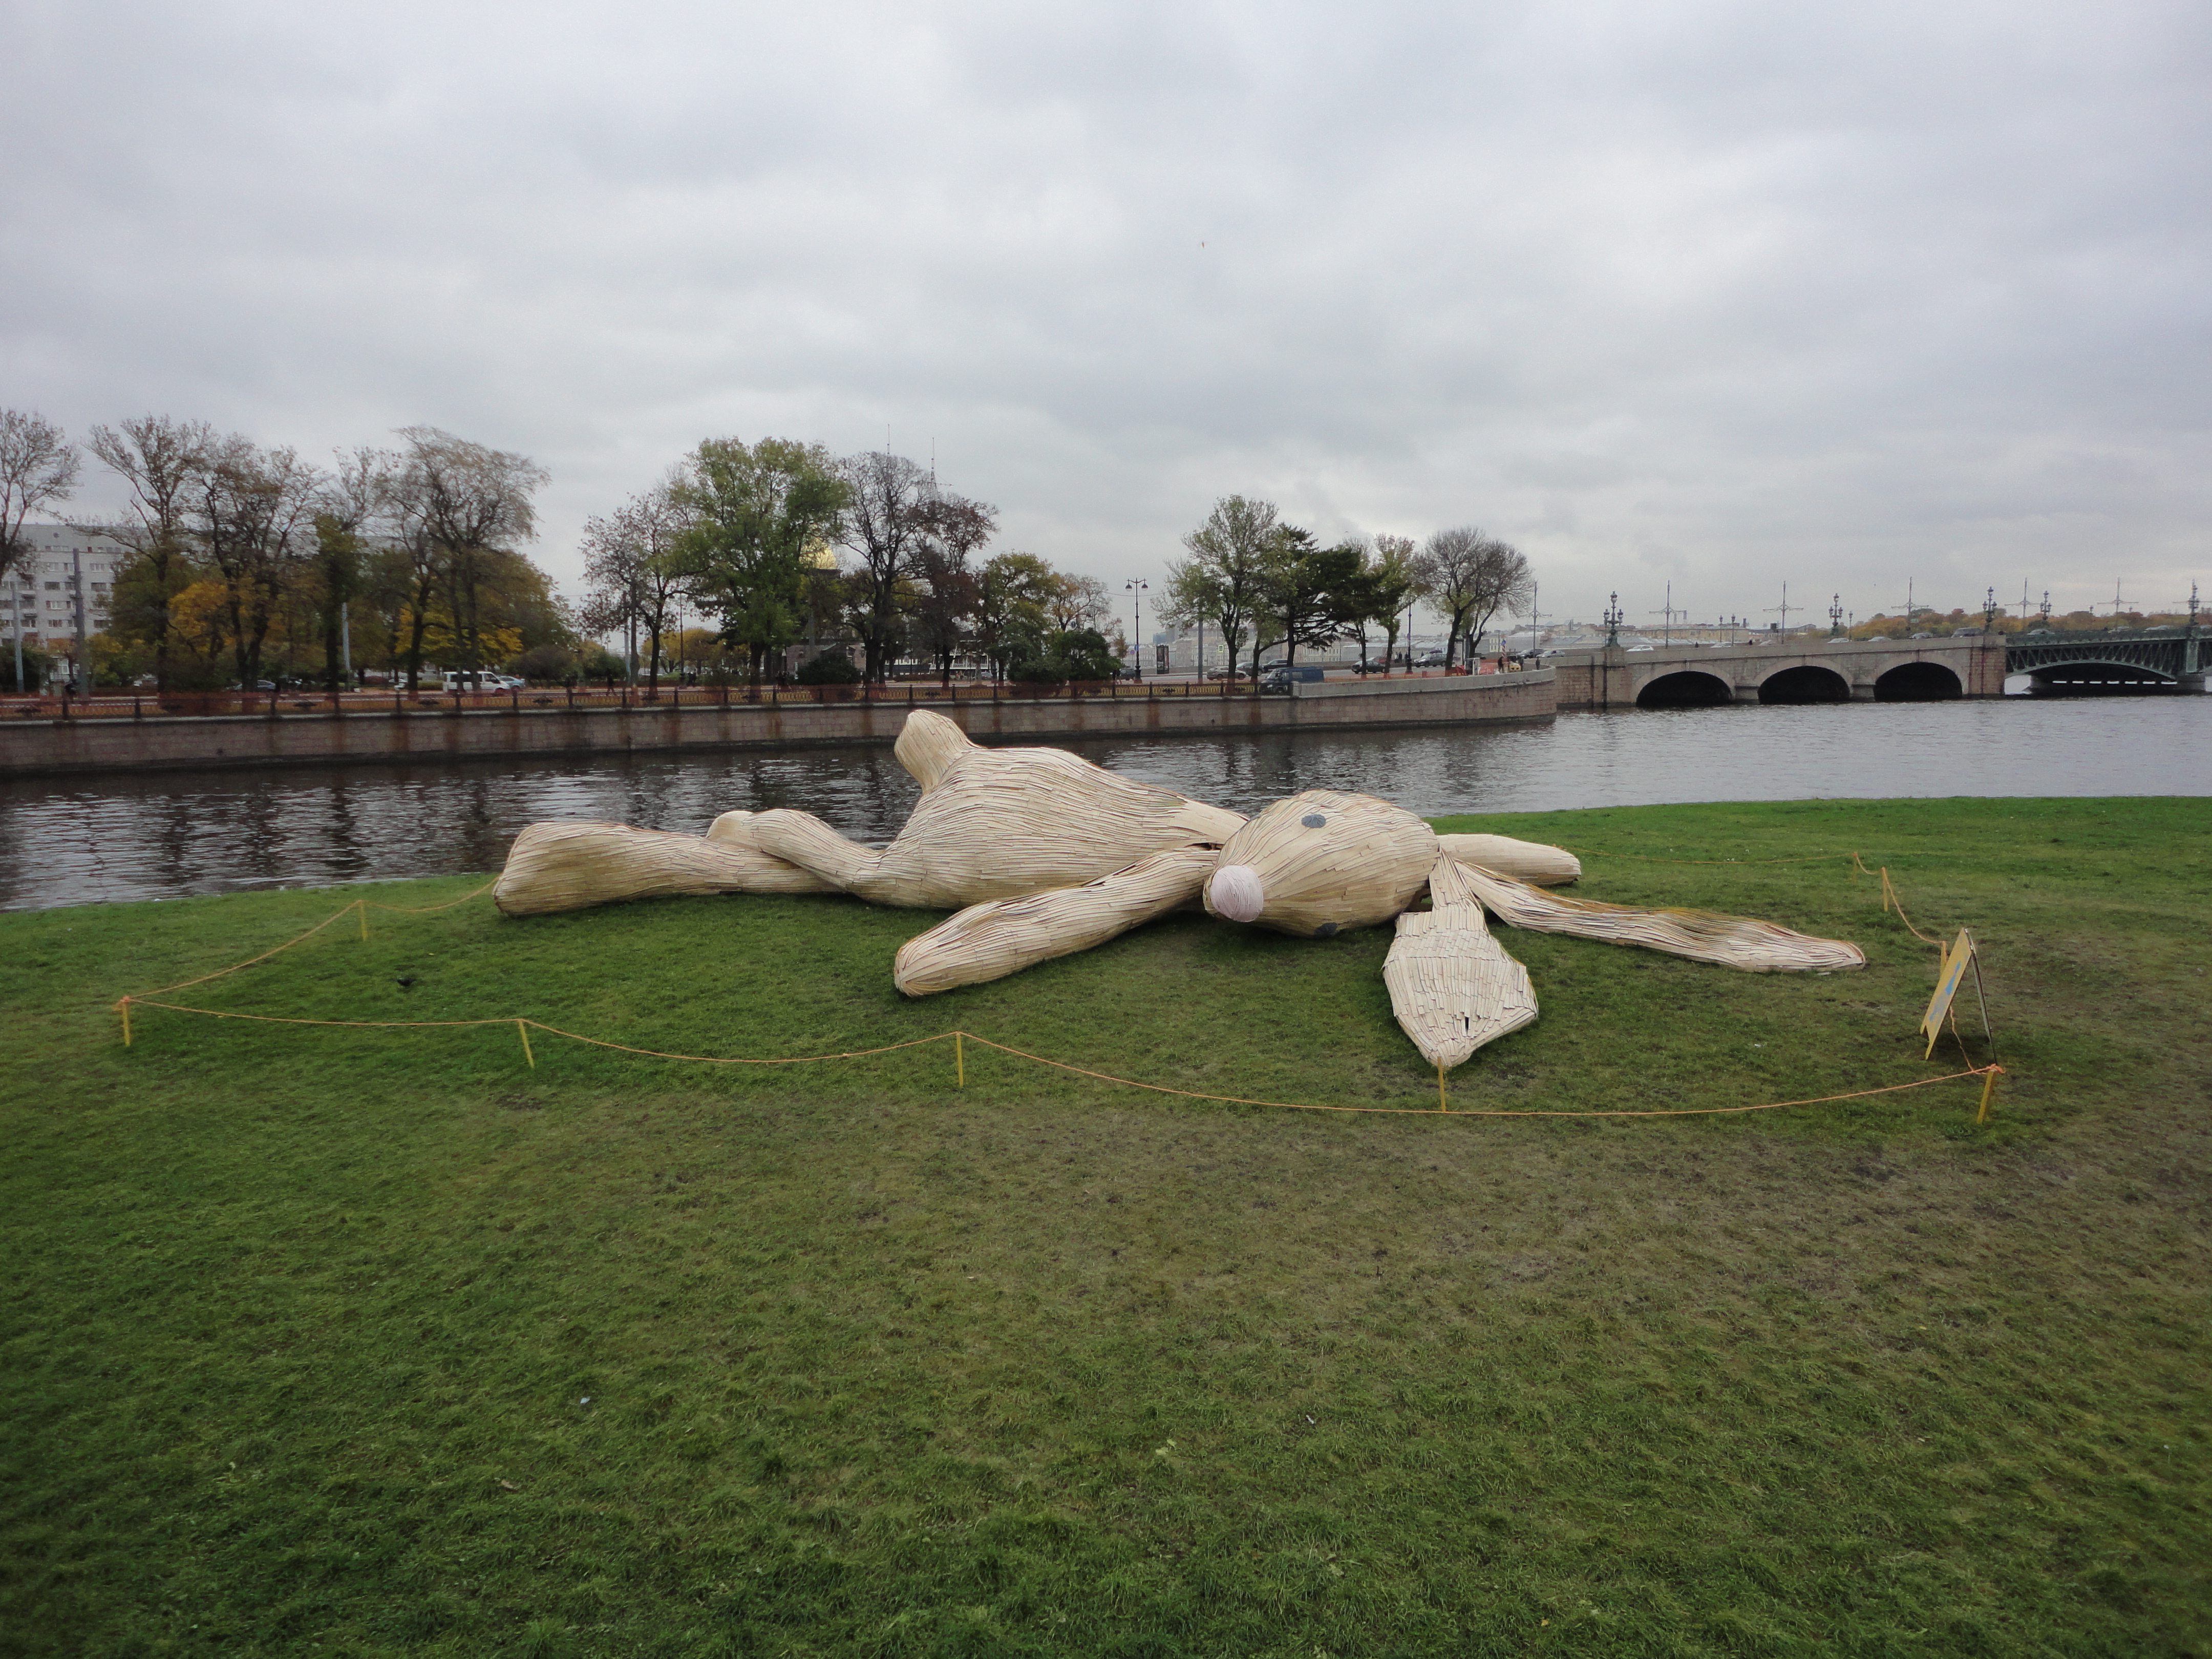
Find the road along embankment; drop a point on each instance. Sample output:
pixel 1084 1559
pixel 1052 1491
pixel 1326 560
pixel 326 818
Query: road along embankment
pixel 386 737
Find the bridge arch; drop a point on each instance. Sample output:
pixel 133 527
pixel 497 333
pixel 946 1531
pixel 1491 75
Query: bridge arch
pixel 2097 679
pixel 1685 688
pixel 1806 683
pixel 1918 681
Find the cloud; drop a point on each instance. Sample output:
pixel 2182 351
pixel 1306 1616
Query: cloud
pixel 1708 292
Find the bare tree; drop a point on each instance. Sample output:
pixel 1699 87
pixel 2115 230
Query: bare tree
pixel 883 528
pixel 631 561
pixel 160 461
pixel 406 574
pixel 1081 602
pixel 953 531
pixel 252 513
pixel 38 467
pixel 474 503
pixel 356 496
pixel 1471 577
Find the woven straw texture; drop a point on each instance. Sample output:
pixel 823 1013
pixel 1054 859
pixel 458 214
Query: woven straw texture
pixel 996 824
pixel 1452 986
pixel 1761 947
pixel 989 941
pixel 1524 860
pixel 567 867
pixel 1328 862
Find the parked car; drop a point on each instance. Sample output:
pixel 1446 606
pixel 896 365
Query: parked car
pixel 1429 659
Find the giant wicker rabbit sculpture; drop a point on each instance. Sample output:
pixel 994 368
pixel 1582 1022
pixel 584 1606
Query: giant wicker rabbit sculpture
pixel 1049 854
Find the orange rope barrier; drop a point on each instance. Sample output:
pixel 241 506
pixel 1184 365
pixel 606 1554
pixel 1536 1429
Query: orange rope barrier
pixel 286 1019
pixel 957 1036
pixel 720 1059
pixel 183 984
pixel 1645 858
pixel 1429 1111
pixel 131 1002
pixel 361 906
pixel 522 1024
pixel 428 909
pixel 1890 900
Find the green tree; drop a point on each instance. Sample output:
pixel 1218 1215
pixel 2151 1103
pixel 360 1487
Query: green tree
pixel 753 512
pixel 1312 592
pixel 1390 584
pixel 1224 579
pixel 1067 654
pixel 1014 597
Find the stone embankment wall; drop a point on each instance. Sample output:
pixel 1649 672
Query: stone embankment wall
pixel 176 744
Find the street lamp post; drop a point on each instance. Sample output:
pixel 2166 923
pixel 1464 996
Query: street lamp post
pixel 80 659
pixel 1136 591
pixel 1835 616
pixel 1612 622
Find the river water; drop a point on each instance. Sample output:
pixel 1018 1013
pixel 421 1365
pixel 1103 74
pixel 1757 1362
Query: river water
pixel 78 841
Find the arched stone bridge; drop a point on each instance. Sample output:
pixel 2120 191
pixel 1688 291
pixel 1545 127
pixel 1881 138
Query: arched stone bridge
pixel 1795 670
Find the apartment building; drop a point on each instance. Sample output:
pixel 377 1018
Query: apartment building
pixel 38 595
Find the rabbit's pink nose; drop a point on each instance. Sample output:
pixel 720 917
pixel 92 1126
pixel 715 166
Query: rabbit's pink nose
pixel 1237 892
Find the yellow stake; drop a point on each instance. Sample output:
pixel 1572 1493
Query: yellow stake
pixel 523 1031
pixel 1989 1088
pixel 959 1060
pixel 1442 1104
pixel 125 1008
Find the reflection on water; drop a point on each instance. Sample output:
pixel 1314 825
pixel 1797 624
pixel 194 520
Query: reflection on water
pixel 67 840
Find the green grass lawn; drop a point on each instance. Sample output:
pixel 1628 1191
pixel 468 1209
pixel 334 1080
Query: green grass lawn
pixel 333 1341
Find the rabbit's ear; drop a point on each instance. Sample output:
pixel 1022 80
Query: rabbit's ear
pixel 1452 986
pixel 1761 947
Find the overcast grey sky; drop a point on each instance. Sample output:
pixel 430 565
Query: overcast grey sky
pixel 1727 294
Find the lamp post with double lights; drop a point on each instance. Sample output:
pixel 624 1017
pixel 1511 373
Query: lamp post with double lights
pixel 1136 591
